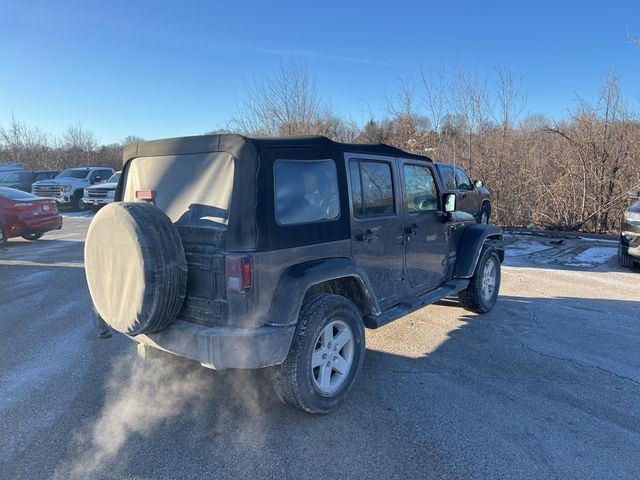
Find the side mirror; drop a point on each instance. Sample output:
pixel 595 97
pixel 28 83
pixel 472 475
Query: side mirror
pixel 478 184
pixel 449 202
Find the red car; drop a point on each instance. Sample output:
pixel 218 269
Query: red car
pixel 25 215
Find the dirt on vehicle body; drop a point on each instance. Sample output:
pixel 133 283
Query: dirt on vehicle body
pixel 249 253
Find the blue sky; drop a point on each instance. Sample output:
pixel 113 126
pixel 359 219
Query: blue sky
pixel 161 69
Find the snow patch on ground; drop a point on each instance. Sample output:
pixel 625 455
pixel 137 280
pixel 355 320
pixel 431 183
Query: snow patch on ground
pixel 77 214
pixel 525 247
pixel 593 256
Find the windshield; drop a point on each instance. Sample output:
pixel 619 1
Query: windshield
pixel 16 177
pixel 4 175
pixel 114 178
pixel 73 173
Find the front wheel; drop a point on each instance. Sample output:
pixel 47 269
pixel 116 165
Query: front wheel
pixel 32 236
pixel 481 294
pixel 623 260
pixel 325 357
pixel 79 204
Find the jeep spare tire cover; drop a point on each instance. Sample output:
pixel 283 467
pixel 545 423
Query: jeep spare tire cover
pixel 136 267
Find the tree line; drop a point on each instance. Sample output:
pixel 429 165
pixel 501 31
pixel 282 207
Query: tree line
pixel 572 174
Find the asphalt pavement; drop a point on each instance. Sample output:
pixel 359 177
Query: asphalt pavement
pixel 547 385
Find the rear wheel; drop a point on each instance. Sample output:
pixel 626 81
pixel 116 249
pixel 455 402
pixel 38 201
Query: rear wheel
pixel 325 357
pixel 481 294
pixel 3 237
pixel 32 236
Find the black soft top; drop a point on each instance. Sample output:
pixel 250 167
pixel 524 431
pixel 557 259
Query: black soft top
pixel 243 232
pixel 239 145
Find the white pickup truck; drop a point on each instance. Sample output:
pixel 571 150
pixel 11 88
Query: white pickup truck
pixel 68 187
pixel 97 196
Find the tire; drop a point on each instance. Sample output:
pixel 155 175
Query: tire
pixel 484 215
pixel 79 204
pixel 323 318
pixel 623 260
pixel 479 297
pixel 32 236
pixel 3 237
pixel 136 267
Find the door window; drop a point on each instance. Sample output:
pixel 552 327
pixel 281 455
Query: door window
pixel 420 192
pixel 448 177
pixel 371 188
pixel 464 182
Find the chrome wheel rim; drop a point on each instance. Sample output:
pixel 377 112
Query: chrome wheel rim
pixel 332 357
pixel 489 278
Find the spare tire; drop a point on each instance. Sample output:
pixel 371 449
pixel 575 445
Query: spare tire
pixel 136 267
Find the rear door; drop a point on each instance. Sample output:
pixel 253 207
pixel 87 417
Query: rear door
pixel 426 243
pixel 376 224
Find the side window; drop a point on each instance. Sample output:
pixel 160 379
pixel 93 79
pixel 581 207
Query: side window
pixel 448 177
pixel 420 192
pixel 372 188
pixel 464 182
pixel 306 191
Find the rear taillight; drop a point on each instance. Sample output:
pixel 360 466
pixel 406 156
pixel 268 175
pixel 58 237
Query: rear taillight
pixel 21 206
pixel 148 195
pixel 238 274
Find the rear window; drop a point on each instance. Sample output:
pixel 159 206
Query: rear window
pixel 13 194
pixel 306 191
pixel 194 189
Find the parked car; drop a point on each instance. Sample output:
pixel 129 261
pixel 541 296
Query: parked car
pixel 23 179
pixel 629 247
pixel 471 196
pixel 68 187
pixel 97 196
pixel 25 215
pixel 248 253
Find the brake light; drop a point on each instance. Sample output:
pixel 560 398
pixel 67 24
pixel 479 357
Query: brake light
pixel 148 195
pixel 20 206
pixel 238 274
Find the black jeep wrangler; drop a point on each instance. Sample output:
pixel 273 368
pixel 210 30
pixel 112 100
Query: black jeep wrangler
pixel 276 252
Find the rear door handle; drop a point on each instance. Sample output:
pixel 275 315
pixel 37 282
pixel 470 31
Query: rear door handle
pixel 413 229
pixel 370 235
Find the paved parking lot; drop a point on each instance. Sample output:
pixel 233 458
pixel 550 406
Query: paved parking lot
pixel 545 386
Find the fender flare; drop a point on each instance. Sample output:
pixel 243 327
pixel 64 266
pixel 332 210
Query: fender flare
pixel 297 279
pixel 473 239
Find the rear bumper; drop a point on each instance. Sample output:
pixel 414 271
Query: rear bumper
pixel 33 225
pixel 223 347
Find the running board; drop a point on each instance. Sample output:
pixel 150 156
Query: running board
pixel 413 304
